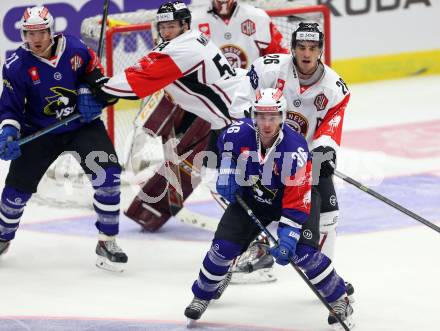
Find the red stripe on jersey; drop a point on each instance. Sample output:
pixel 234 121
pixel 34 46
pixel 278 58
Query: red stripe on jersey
pixel 94 62
pixel 332 122
pixel 276 42
pixel 298 189
pixel 151 73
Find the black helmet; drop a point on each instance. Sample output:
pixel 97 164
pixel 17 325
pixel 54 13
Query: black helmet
pixel 308 32
pixel 173 11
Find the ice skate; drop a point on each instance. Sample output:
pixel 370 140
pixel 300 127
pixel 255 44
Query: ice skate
pixel 344 310
pixel 254 266
pixel 223 285
pixel 349 289
pixel 195 310
pixel 110 255
pixel 4 246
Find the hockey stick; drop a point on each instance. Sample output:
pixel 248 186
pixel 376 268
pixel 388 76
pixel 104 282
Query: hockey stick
pixel 386 200
pixel 103 25
pixel 50 128
pixel 69 119
pixel 292 263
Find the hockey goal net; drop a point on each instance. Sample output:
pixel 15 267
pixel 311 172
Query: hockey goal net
pixel 128 37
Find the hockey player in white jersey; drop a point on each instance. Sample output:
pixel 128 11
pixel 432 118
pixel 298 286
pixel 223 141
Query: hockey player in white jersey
pixel 242 31
pixel 197 77
pixel 257 156
pixel 316 97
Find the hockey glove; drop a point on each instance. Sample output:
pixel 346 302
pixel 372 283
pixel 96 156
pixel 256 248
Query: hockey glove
pixel 288 237
pixel 227 184
pixel 89 107
pixel 326 156
pixel 9 147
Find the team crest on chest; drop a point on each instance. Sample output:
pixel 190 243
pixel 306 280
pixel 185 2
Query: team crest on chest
pixel 76 62
pixel 237 58
pixel 320 102
pixel 298 122
pixel 248 27
pixel 57 76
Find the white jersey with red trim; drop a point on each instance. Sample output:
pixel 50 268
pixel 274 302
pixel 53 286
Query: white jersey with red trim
pixel 247 35
pixel 192 70
pixel 316 111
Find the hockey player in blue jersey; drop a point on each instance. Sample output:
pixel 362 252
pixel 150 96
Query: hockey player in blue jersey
pixel 42 84
pixel 268 164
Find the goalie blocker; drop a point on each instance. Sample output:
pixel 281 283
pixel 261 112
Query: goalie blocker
pixel 166 120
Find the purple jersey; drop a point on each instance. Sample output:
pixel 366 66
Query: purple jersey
pixel 279 177
pixel 39 92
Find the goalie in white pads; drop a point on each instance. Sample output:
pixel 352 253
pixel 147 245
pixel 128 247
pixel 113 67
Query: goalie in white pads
pixel 197 77
pixel 268 165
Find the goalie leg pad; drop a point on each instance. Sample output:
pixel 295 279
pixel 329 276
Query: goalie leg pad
pixel 12 206
pixel 152 215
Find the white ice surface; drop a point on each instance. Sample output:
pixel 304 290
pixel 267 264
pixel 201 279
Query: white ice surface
pixel 396 273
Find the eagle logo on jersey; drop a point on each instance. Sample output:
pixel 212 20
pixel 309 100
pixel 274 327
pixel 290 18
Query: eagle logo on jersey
pixel 248 27
pixel 8 85
pixel 262 193
pixel 298 122
pixel 236 56
pixel 62 104
pixel 321 102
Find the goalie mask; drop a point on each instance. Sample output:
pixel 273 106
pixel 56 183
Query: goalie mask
pixel 223 7
pixel 269 101
pixel 35 19
pixel 308 32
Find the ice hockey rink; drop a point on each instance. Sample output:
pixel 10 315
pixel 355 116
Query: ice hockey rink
pixel 48 280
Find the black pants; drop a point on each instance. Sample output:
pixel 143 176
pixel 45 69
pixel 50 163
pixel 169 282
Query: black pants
pixel 236 225
pixel 327 192
pixel 36 156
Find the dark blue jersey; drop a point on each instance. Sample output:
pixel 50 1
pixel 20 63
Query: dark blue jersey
pixel 38 92
pixel 278 178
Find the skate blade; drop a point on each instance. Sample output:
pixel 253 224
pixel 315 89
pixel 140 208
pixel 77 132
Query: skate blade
pixel 351 299
pixel 349 322
pixel 256 277
pixel 103 263
pixel 190 323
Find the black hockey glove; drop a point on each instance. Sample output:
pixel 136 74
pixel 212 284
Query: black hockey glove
pixel 95 80
pixel 326 156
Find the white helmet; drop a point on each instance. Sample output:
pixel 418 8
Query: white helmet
pixel 270 100
pixel 36 18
